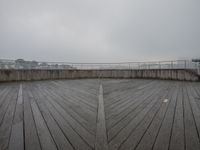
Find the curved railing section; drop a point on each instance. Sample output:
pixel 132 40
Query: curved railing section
pixel 22 64
pixel 21 70
pixel 25 65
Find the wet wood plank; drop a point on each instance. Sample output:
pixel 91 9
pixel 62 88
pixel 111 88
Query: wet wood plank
pixel 6 124
pixel 31 138
pixel 78 115
pixel 101 141
pixel 17 134
pixel 177 135
pixel 191 134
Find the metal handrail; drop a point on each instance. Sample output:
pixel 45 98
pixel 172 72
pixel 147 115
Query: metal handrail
pixel 174 64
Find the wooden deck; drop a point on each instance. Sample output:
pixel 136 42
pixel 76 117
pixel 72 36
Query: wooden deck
pixel 105 115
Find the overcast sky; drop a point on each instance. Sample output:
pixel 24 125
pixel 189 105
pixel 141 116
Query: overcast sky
pixel 99 30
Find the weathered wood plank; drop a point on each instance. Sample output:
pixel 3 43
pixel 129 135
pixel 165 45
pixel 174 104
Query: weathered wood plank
pixel 5 127
pixel 125 132
pixel 63 115
pixel 73 95
pixel 31 138
pixel 121 93
pixel 194 107
pixel 3 93
pixel 131 112
pixel 57 134
pixel 76 110
pixel 46 140
pixel 101 142
pixel 128 101
pixel 177 141
pixel 191 136
pixel 17 134
pixel 73 136
pixel 5 102
pixel 74 98
pixel 135 137
pixel 152 131
pixel 163 137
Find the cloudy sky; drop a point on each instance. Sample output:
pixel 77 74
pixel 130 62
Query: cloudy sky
pixel 99 30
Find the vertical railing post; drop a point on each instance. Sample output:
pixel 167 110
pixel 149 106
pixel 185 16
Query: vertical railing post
pixel 185 64
pixel 172 65
pixel 159 65
pixel 198 67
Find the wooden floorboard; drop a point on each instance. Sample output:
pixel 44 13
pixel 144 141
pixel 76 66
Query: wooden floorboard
pixel 57 134
pixel 191 134
pixel 139 131
pixel 46 140
pixel 31 138
pixel 134 112
pixel 101 141
pixel 71 96
pixel 17 132
pixel 177 132
pixel 133 124
pixel 6 125
pixel 83 117
pixel 88 98
pixel 125 101
pixel 164 134
pixel 127 114
pixel 129 104
pixel 5 102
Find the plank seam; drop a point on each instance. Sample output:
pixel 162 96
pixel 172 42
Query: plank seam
pixel 101 140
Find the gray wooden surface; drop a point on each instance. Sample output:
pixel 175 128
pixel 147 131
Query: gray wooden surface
pixel 112 114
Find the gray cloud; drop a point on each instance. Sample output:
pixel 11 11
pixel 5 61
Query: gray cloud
pixel 99 31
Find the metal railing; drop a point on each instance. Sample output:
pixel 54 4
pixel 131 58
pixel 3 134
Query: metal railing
pixel 22 64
